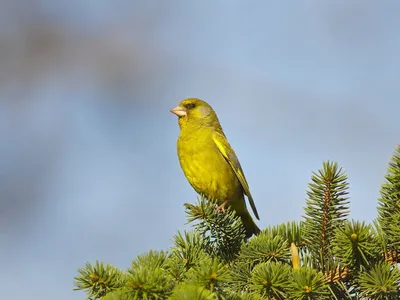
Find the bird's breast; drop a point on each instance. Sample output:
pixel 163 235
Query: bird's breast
pixel 206 169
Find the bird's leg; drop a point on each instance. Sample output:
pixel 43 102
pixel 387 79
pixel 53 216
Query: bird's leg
pixel 222 206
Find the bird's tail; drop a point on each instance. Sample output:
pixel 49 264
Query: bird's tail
pixel 251 227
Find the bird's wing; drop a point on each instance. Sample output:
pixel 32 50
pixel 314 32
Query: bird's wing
pixel 230 156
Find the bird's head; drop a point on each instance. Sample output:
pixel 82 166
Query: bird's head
pixel 193 111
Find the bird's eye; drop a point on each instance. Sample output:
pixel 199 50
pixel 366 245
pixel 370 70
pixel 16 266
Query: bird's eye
pixel 190 105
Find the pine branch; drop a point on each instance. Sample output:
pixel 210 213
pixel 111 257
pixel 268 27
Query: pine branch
pixel 326 209
pixel 355 245
pixel 191 291
pixel 389 208
pixel 291 232
pixel 380 282
pixel 223 233
pixel 148 277
pixel 240 275
pixel 270 280
pixel 187 252
pixel 210 274
pixel 266 247
pixel 99 279
pixel 307 283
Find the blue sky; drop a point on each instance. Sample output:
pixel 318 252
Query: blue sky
pixel 88 164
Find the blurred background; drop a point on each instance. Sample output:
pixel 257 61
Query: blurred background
pixel 88 164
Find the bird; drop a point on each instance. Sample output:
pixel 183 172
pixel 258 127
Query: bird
pixel 209 162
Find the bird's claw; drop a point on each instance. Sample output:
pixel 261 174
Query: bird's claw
pixel 222 207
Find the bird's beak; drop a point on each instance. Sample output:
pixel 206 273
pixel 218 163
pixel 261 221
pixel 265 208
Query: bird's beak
pixel 180 111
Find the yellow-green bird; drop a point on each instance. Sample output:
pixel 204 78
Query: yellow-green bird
pixel 209 162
